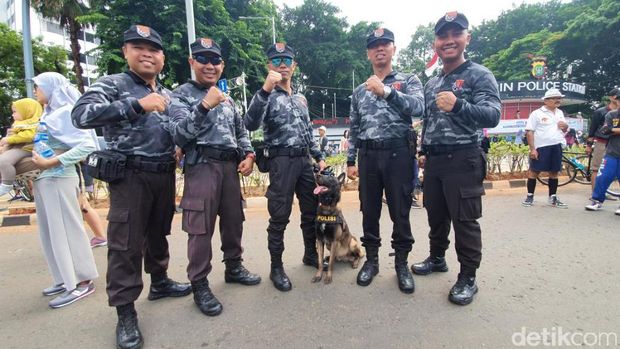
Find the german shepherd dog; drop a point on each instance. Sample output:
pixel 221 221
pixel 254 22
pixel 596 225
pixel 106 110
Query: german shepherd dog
pixel 332 230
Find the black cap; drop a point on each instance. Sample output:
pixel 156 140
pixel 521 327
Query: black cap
pixel 205 45
pixel 452 17
pixel 379 34
pixel 280 49
pixel 142 33
pixel 615 92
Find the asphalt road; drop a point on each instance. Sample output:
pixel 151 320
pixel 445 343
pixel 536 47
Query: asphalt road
pixel 543 269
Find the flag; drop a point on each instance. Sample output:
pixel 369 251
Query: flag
pixel 432 65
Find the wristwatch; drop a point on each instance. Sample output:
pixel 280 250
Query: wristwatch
pixel 386 91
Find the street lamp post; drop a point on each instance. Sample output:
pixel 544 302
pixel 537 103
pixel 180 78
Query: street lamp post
pixel 191 31
pixel 273 24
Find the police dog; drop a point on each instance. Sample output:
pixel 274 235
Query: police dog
pixel 332 230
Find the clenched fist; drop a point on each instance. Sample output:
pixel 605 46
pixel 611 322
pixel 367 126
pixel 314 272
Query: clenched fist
pixel 213 98
pixel 272 79
pixel 153 102
pixel 445 101
pixel 374 85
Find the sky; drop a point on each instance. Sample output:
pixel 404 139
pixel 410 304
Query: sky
pixel 403 16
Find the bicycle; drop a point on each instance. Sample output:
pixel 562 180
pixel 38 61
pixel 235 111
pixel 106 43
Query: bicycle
pixel 577 168
pixel 21 190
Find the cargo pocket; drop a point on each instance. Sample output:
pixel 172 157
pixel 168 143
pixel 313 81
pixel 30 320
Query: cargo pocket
pixel 118 229
pixel 470 204
pixel 194 220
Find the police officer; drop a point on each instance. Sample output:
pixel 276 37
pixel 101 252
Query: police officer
pixel 461 100
pixel 289 142
pixel 206 124
pixel 381 117
pixel 132 109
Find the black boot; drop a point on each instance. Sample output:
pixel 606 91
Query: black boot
pixel 430 265
pixel 463 291
pixel 204 298
pixel 162 286
pixel 236 273
pixel 128 335
pixel 278 276
pixel 370 267
pixel 405 279
pixel 311 257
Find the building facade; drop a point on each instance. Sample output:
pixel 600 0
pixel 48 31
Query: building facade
pixel 53 34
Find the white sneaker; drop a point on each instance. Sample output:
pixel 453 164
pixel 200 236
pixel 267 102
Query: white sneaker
pixel 594 206
pixel 69 297
pixel 617 212
pixel 5 188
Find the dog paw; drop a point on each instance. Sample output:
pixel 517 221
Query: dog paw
pixel 316 278
pixel 328 279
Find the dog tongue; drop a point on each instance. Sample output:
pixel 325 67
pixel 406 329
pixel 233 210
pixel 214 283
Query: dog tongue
pixel 318 190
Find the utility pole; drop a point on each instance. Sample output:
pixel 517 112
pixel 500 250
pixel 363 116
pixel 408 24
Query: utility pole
pixel 245 97
pixel 323 110
pixel 191 30
pixel 27 45
pixel 334 105
pixel 353 83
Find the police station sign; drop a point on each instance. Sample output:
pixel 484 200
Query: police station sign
pixel 536 89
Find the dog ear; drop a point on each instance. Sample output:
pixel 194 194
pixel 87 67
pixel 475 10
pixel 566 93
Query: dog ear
pixel 341 178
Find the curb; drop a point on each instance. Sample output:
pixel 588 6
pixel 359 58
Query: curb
pixel 31 219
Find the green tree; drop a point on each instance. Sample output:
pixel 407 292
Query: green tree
pixel 12 85
pixel 242 42
pixel 414 57
pixel 498 34
pixel 66 12
pixel 328 51
pixel 583 45
pixel 513 63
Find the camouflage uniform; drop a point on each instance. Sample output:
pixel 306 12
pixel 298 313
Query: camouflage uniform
pixel 142 203
pixel 456 165
pixel 288 140
pixel 213 141
pixel 379 129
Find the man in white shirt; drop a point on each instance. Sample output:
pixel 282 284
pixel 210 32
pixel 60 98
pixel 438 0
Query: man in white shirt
pixel 545 135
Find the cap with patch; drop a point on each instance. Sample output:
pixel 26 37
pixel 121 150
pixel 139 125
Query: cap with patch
pixel 452 17
pixel 142 33
pixel 205 45
pixel 379 34
pixel 280 49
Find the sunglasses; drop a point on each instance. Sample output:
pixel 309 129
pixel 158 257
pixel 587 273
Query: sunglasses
pixel 279 60
pixel 214 60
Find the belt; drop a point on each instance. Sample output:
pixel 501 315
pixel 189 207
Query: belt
pixel 217 154
pixel 382 144
pixel 143 163
pixel 601 140
pixel 441 149
pixel 292 152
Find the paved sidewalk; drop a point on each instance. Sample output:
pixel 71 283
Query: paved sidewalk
pixel 542 268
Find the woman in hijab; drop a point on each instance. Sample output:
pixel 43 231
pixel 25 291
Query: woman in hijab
pixel 64 240
pixel 18 142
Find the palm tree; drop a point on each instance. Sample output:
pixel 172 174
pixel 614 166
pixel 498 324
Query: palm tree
pixel 66 12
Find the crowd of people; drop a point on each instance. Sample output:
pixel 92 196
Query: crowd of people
pixel 148 129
